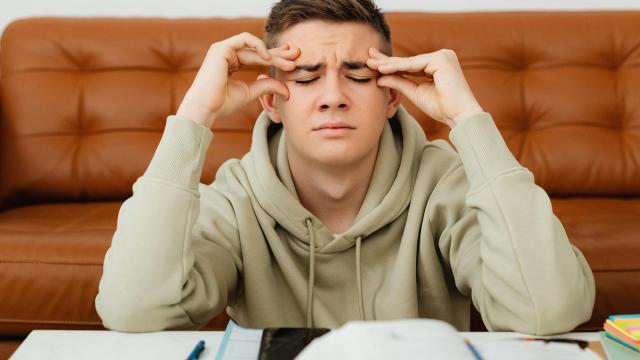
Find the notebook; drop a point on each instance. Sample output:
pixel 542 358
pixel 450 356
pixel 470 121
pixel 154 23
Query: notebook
pixel 616 350
pixel 239 343
pixel 624 329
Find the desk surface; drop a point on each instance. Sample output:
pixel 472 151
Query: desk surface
pixel 71 344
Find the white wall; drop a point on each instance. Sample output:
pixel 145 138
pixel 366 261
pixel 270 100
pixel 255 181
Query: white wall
pixel 12 9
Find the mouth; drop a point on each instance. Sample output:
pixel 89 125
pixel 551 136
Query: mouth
pixel 334 126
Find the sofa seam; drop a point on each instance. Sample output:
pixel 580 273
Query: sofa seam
pixel 48 322
pixel 2 261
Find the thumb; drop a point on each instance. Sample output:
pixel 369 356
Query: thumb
pixel 266 84
pixel 405 86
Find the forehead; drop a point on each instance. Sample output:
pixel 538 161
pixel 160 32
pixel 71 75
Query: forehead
pixel 321 40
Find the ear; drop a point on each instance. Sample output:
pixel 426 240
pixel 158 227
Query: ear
pixel 269 105
pixel 393 103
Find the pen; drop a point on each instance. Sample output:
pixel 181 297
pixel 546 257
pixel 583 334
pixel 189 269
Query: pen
pixel 581 343
pixel 196 351
pixel 473 349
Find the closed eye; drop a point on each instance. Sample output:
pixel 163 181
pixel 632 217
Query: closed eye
pixel 306 82
pixel 364 80
pixel 357 80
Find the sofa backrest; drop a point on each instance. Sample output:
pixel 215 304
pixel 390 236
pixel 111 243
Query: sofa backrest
pixel 84 100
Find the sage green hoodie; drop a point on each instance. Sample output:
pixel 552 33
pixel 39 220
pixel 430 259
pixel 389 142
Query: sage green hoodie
pixel 436 229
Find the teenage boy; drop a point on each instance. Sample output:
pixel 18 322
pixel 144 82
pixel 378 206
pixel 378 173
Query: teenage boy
pixel 342 210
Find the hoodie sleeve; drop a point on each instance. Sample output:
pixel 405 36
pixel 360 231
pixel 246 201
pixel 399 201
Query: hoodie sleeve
pixel 169 265
pixel 505 247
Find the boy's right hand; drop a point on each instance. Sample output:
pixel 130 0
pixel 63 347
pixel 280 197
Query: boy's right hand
pixel 213 94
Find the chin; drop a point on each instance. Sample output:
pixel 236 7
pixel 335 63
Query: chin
pixel 335 162
pixel 337 157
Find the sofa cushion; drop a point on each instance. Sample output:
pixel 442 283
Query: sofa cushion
pixel 78 95
pixel 81 95
pixel 51 262
pixel 607 231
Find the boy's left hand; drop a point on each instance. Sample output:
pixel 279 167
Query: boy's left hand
pixel 445 97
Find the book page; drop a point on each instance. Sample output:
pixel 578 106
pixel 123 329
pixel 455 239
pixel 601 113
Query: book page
pixel 532 350
pixel 402 339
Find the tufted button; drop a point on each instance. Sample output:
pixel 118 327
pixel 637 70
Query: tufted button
pixel 522 65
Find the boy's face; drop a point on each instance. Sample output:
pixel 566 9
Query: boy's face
pixel 335 112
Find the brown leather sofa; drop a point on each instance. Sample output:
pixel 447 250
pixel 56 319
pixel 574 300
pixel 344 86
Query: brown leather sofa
pixel 84 102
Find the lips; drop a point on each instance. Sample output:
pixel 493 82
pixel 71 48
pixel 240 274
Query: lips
pixel 334 125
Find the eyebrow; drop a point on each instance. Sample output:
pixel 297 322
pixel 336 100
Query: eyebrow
pixel 350 65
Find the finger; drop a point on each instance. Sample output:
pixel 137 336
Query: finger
pixel 280 52
pixel 281 47
pixel 414 64
pixel 284 59
pixel 372 63
pixel 288 53
pixel 405 86
pixel 377 54
pixel 376 58
pixel 283 63
pixel 266 84
pixel 250 57
pixel 403 64
pixel 245 40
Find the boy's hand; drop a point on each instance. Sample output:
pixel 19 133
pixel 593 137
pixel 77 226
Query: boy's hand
pixel 445 97
pixel 213 94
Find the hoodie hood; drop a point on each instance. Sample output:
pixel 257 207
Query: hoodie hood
pixel 388 195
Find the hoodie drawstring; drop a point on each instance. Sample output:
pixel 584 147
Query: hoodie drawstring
pixel 359 278
pixel 312 272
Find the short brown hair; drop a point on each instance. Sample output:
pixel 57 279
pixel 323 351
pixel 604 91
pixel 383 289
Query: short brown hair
pixel 287 13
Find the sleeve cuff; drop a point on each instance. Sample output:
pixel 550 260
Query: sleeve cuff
pixel 180 155
pixel 482 149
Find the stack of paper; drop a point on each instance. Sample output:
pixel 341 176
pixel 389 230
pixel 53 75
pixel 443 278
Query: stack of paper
pixel 624 329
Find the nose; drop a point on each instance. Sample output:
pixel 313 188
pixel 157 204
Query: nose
pixel 333 95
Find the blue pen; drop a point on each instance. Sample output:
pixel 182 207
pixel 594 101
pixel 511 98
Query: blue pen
pixel 473 349
pixel 196 351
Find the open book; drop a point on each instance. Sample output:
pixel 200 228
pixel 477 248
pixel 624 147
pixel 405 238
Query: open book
pixel 429 339
pixel 405 339
pixel 401 339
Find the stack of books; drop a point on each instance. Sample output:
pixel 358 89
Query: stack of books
pixel 624 329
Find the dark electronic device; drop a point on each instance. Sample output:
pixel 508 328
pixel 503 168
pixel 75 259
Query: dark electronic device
pixel 286 343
